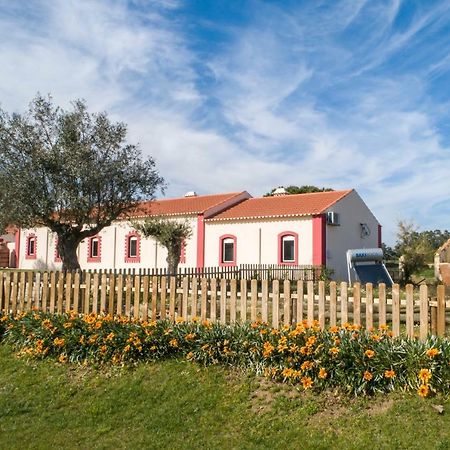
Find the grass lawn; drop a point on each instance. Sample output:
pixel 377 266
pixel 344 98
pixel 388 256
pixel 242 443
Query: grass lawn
pixel 175 404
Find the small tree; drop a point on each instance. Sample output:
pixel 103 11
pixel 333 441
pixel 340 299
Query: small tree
pixel 305 189
pixel 413 248
pixel 70 171
pixel 170 234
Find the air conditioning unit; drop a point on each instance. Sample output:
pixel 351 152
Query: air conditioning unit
pixel 333 218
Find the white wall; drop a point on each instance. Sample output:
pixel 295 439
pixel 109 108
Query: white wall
pixel 353 212
pixel 112 250
pixel 248 239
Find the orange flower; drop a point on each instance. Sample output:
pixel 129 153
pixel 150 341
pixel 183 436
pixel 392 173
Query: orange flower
pixel 307 382
pixel 389 374
pixel 62 359
pixel 334 329
pixel 423 390
pixel 268 349
pixel 367 375
pixel 376 337
pixel 334 350
pixel 110 336
pixel 189 337
pixel 307 365
pixel 425 375
pixel 311 341
pixel 369 353
pixel 68 325
pixel 59 342
pixel 322 373
pixel 432 352
pixel 173 343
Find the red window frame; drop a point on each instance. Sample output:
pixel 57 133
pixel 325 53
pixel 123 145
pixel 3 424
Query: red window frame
pixel 223 263
pixel 29 255
pixel 90 257
pixel 281 237
pixel 137 257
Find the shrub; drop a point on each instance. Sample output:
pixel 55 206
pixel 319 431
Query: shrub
pixel 354 360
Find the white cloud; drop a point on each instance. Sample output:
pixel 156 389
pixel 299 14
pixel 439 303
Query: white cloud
pixel 293 102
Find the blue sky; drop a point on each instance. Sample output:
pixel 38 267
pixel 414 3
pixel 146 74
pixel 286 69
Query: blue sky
pixel 248 95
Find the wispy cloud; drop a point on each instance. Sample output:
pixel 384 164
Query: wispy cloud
pixel 336 94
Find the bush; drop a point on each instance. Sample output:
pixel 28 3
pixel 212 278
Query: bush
pixel 354 360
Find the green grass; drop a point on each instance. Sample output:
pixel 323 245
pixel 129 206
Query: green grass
pixel 175 404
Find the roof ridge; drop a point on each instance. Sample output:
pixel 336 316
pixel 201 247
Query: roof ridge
pixel 194 196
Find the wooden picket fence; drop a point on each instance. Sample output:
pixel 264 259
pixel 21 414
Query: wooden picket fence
pixel 241 271
pixel 413 312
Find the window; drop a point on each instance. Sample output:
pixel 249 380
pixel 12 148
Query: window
pixel 288 248
pixel 227 250
pixel 94 249
pixel 31 247
pixel 132 248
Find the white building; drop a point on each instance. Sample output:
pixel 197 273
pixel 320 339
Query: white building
pixel 228 230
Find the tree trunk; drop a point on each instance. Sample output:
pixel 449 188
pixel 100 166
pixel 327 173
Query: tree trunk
pixel 67 248
pixel 173 259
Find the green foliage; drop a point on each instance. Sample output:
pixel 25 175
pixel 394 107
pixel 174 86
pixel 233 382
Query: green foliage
pixel 305 189
pixel 169 233
pixel 414 249
pixel 71 171
pixel 348 358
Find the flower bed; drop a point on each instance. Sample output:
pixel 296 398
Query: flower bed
pixel 352 359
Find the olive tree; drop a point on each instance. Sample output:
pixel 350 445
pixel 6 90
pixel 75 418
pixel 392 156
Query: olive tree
pixel 170 234
pixel 71 171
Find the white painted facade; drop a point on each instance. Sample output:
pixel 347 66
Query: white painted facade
pixel 353 212
pixel 257 240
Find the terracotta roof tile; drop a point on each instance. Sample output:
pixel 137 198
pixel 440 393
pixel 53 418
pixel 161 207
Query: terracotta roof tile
pixel 184 205
pixel 282 206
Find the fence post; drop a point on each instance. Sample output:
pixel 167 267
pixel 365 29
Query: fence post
pixel 333 304
pixel 300 301
pixel 410 310
pixel 381 304
pixel 310 294
pixel 223 301
pixel 344 303
pixel 369 306
pixel 265 301
pixel 396 310
pixel 287 302
pixel 213 299
pixel 45 283
pixel 204 299
pixel 322 304
pixel 254 301
pixel 441 310
pixel 137 297
pixel 76 291
pixel 243 308
pixel 275 303
pixel 357 304
pixel 423 311
pixel 119 308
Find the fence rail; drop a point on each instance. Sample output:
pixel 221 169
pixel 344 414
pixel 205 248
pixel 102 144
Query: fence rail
pixel 242 271
pixel 414 312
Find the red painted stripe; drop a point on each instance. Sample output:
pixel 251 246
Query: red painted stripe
pixel 319 240
pixel 200 241
pixel 17 247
